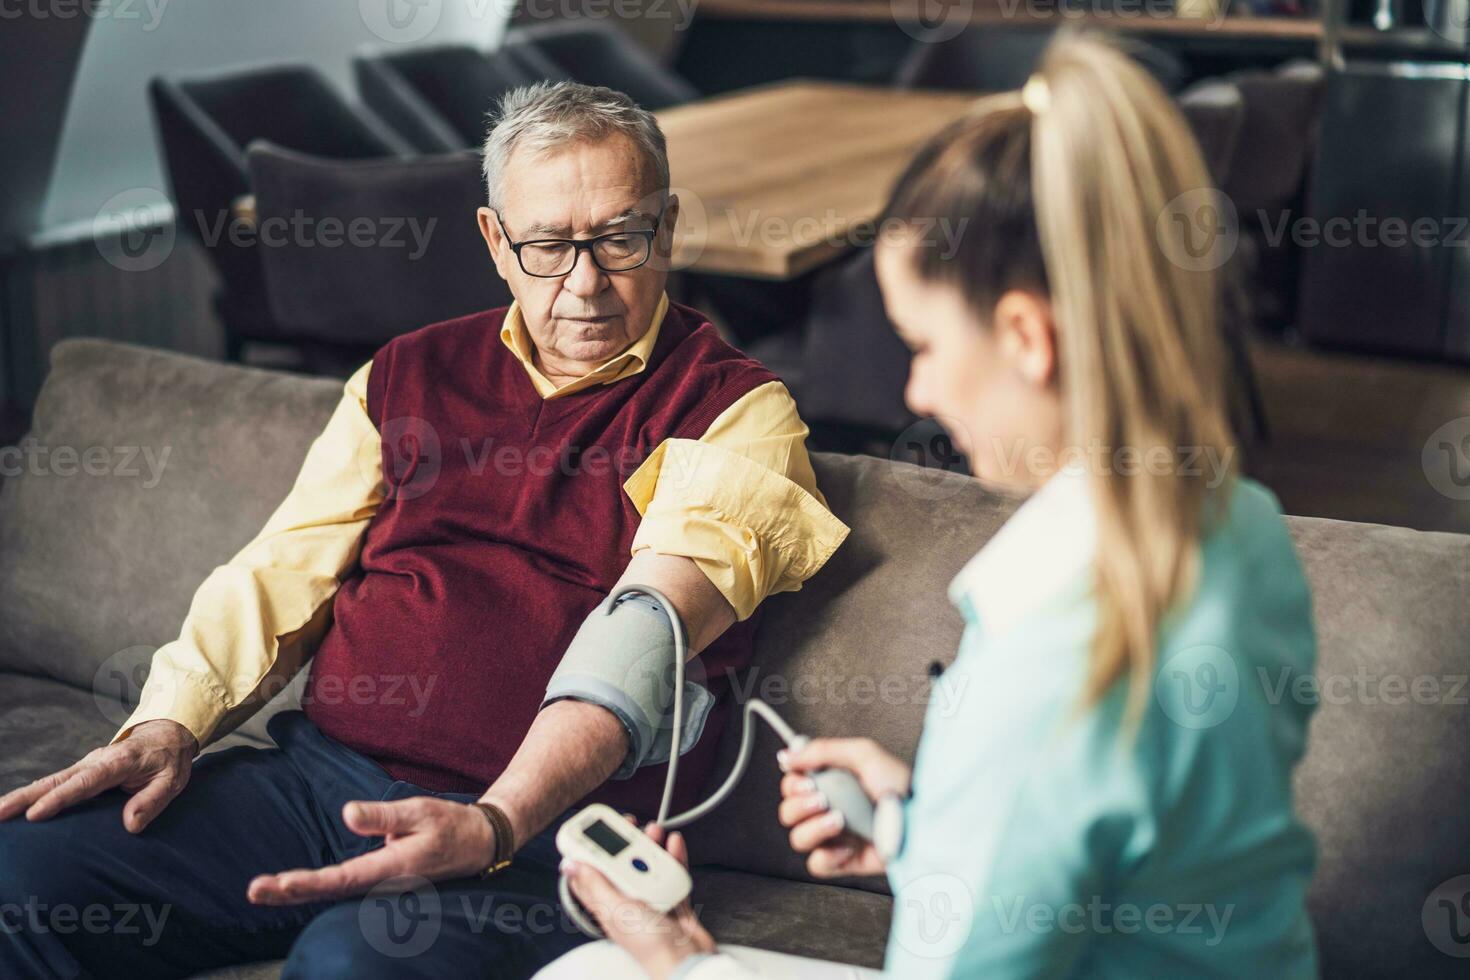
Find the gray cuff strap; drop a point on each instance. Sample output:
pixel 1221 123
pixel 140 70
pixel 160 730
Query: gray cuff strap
pixel 623 660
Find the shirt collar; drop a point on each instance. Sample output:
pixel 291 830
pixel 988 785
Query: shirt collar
pixel 1042 550
pixel 632 361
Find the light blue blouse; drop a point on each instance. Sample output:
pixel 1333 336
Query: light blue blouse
pixel 1041 842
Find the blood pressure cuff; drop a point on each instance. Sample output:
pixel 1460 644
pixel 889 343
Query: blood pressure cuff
pixel 622 658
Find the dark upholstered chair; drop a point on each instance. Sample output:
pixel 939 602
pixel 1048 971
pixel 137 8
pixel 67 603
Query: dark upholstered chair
pixel 1268 177
pixel 204 125
pixel 1278 132
pixel 997 59
pixel 594 52
pixel 440 98
pixel 1215 111
pixel 418 258
pixel 521 50
pixel 849 369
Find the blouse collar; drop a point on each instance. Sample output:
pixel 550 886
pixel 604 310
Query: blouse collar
pixel 1047 543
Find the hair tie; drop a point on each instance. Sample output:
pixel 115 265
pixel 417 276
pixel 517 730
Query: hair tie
pixel 1036 94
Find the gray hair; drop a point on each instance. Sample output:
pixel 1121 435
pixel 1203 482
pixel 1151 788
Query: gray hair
pixel 546 115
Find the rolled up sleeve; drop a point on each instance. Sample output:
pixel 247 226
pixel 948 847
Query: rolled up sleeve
pixel 741 502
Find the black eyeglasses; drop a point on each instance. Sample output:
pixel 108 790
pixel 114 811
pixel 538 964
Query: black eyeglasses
pixel 619 251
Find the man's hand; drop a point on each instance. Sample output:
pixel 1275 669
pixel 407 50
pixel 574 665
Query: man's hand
pixel 424 836
pixel 153 763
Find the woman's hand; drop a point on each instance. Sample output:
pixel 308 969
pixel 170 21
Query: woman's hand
pixel 422 835
pixel 818 832
pixel 659 941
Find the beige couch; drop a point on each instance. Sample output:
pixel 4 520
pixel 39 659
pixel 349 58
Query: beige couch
pixel 95 570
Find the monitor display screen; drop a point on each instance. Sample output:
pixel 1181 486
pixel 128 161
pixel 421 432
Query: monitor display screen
pixel 606 838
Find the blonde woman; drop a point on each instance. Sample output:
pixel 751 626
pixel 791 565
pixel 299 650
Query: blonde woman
pixel 1112 799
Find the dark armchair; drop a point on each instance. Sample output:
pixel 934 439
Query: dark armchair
pixel 594 52
pixel 383 247
pixel 997 59
pixel 440 98
pixel 204 125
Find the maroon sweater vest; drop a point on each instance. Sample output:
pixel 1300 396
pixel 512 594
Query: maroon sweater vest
pixel 505 524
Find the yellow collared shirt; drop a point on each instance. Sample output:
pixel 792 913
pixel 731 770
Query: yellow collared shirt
pixel 741 502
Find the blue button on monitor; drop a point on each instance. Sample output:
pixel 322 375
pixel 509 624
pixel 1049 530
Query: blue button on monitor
pixel 640 864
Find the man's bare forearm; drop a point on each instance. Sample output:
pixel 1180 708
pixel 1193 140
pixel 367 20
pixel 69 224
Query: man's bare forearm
pixel 573 747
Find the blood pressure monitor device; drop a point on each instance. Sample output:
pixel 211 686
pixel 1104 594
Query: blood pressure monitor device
pixel 640 868
pixel 629 858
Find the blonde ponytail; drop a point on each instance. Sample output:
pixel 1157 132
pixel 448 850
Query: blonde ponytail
pixel 1138 335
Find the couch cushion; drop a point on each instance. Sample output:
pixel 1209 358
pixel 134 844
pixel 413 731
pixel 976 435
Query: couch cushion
pixel 46 726
pixel 824 921
pixel 1383 780
pixel 849 653
pixel 187 460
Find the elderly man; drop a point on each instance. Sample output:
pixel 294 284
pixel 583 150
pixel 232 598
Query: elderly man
pixel 483 487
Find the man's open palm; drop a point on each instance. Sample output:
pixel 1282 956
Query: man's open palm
pixel 424 837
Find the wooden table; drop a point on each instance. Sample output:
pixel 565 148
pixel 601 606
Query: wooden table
pixel 777 180
pixel 986 13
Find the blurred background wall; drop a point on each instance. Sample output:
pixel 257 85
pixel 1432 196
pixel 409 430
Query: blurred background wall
pixel 106 140
pixel 73 83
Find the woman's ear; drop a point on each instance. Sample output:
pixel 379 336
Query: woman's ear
pixel 1027 336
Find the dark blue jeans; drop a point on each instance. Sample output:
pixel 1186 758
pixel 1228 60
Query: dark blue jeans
pixel 80 896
